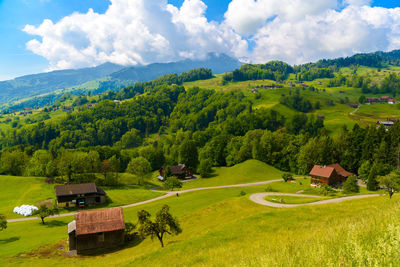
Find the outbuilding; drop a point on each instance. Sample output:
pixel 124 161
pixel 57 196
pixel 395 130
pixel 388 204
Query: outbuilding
pixel 96 229
pixel 80 195
pixel 181 171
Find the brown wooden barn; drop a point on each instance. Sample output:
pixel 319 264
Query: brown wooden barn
pixel 96 229
pixel 332 175
pixel 180 171
pixel 80 195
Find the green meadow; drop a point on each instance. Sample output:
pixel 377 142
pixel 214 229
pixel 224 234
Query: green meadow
pixel 222 227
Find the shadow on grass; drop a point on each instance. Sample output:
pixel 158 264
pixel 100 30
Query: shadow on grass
pixel 9 240
pixel 103 251
pixel 55 223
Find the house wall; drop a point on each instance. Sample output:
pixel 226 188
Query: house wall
pixel 72 240
pixel 89 199
pixel 92 242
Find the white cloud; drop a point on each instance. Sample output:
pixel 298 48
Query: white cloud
pixel 132 32
pixel 144 31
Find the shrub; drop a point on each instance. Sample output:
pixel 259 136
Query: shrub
pixel 351 185
pixel 287 176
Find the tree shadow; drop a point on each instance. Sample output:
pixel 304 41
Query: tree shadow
pixel 55 223
pixel 9 240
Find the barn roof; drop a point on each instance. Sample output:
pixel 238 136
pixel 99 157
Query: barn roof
pixel 178 169
pixel 74 189
pixel 340 170
pixel 98 221
pixel 322 171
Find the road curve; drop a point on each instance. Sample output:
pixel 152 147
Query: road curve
pixel 167 194
pixel 259 199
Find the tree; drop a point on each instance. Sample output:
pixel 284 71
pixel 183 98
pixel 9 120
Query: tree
pixel 372 183
pixel 287 176
pixel 364 170
pixel 362 99
pixel 45 211
pixel 391 182
pixel 188 154
pixel 172 182
pixel 164 223
pixel 205 168
pixel 140 167
pixel 65 164
pixel 131 139
pixel 351 185
pixel 3 222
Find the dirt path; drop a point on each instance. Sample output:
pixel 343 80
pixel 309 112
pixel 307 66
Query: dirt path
pixel 259 199
pixel 167 194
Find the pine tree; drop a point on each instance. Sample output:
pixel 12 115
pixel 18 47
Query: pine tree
pixel 372 183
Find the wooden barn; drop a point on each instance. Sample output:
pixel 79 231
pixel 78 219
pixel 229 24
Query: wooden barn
pixel 80 195
pixel 96 229
pixel 180 171
pixel 332 175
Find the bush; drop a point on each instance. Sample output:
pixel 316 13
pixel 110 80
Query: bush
pixel 242 193
pixel 287 176
pixel 351 185
pixel 270 189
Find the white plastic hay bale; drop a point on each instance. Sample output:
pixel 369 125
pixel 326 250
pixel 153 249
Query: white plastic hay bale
pixel 25 210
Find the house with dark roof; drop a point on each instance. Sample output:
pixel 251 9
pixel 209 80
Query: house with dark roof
pixel 96 229
pixel 80 195
pixel 332 175
pixel 180 171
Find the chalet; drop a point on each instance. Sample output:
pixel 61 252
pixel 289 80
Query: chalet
pixel 254 91
pixel 90 105
pixel 320 116
pixel 385 124
pixel 80 195
pixel 354 105
pixel 371 100
pixel 96 229
pixel 304 84
pixel 180 171
pixel 341 92
pixel 332 175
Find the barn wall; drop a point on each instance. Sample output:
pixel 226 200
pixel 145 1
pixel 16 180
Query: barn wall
pixel 92 242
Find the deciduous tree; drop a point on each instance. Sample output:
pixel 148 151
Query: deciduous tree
pixel 164 223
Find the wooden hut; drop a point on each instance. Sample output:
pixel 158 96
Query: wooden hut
pixel 80 195
pixel 180 171
pixel 96 229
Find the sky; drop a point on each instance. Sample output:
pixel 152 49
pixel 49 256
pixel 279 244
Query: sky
pixel 46 35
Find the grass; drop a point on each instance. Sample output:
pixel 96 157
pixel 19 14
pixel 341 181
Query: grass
pixel 17 191
pixel 291 199
pixel 221 228
pixel 245 172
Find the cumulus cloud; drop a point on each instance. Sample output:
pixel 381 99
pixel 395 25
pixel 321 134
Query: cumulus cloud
pixel 134 32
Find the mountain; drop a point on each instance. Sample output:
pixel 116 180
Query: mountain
pixel 101 78
pixel 218 63
pixel 36 84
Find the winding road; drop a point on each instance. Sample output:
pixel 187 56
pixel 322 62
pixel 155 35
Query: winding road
pixel 258 198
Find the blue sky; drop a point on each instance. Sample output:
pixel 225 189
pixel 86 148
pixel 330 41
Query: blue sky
pixel 16 59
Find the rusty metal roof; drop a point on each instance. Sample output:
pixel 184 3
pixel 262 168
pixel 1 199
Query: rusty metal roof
pixel 178 169
pixel 74 189
pixel 98 221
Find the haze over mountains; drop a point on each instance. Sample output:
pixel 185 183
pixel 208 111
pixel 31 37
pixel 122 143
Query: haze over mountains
pixel 47 83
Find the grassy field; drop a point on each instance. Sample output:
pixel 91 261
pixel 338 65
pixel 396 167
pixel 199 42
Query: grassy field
pixel 226 229
pixel 245 172
pixel 291 199
pixel 17 191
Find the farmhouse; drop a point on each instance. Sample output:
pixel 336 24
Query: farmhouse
pixel 385 124
pixel 97 229
pixel 332 175
pixel 180 171
pixel 80 194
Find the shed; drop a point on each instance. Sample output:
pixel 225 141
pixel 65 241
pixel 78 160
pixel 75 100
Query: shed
pixel 180 171
pixel 96 229
pixel 80 195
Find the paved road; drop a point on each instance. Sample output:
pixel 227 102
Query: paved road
pixel 259 199
pixel 167 194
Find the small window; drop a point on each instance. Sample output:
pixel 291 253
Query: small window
pixel 100 237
